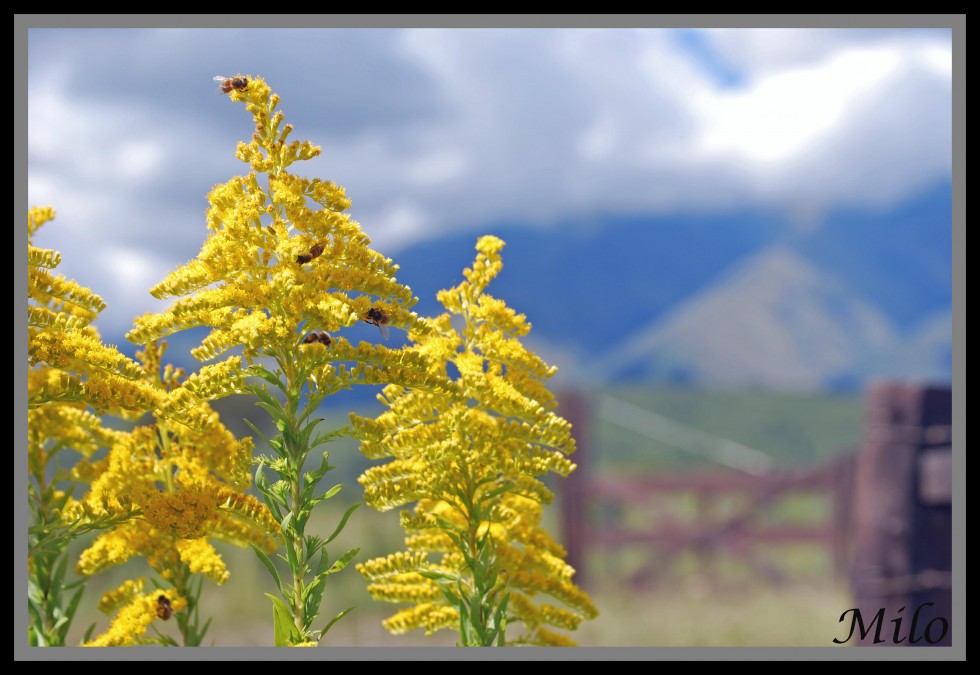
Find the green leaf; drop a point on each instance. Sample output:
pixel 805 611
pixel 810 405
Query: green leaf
pixel 204 629
pixel 336 619
pixel 438 576
pixel 330 436
pixel 446 524
pixel 269 565
pixel 275 412
pixel 450 598
pixel 75 584
pixel 343 522
pixel 284 630
pixel 70 614
pixel 342 561
pixel 265 374
pixel 274 444
pixel 331 492
pixel 35 613
pixel 312 597
pixel 311 589
pixel 496 492
pixel 261 480
pixel 313 477
pixel 307 431
pixel 167 641
pixel 313 544
pixel 57 578
pixel 284 526
pixel 464 624
pixel 270 497
pixel 88 633
pixel 262 393
pixel 291 557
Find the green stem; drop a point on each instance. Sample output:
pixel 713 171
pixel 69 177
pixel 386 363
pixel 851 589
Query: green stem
pixel 296 457
pixel 299 617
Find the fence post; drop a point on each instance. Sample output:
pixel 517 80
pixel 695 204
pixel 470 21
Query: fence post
pixel 903 514
pixel 574 406
pixel 842 496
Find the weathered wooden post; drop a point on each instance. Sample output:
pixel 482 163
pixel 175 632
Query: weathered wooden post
pixel 573 405
pixel 901 572
pixel 842 496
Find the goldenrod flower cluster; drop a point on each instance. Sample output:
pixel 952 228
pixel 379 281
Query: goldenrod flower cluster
pixel 69 363
pixel 187 485
pixel 282 259
pixel 471 458
pixel 137 610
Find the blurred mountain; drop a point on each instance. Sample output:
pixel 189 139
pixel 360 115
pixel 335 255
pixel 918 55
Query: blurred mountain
pixel 744 300
pixel 776 321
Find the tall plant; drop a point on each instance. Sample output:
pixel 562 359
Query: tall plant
pixel 283 274
pixel 73 379
pixel 471 460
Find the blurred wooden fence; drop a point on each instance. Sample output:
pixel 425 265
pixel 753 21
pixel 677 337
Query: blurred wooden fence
pixel 887 528
pixel 728 513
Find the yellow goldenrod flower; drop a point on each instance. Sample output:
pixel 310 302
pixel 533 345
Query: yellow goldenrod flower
pixel 429 616
pixel 282 259
pixel 134 618
pixel 114 599
pixel 201 558
pixel 470 456
pixel 73 378
pixel 282 265
pixel 69 362
pixel 183 478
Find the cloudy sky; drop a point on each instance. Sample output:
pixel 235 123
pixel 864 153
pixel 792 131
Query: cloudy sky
pixel 435 130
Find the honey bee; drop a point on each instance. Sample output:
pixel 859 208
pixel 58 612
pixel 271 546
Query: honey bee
pixel 314 253
pixel 164 609
pixel 378 317
pixel 229 83
pixel 321 336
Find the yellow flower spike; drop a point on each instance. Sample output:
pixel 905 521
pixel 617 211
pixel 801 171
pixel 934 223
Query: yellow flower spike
pixel 429 616
pixel 133 620
pixel 396 563
pixel 185 483
pixel 471 457
pixel 36 217
pixel 545 638
pixel 114 548
pixel 202 558
pixel 74 378
pixel 114 599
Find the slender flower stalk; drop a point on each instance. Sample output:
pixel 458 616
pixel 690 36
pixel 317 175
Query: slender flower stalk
pixel 282 275
pixel 470 458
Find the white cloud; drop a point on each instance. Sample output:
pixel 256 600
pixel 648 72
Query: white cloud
pixel 554 122
pixel 438 167
pixel 138 160
pixel 470 127
pixel 778 118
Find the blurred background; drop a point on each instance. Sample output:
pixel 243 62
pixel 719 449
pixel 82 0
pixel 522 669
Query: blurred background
pixel 735 244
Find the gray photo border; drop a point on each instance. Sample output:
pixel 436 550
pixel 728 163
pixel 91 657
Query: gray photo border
pixel 957 25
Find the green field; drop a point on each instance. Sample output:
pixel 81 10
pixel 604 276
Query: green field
pixel 792 428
